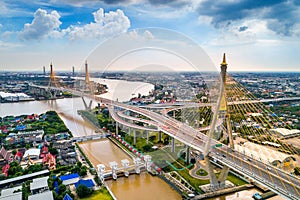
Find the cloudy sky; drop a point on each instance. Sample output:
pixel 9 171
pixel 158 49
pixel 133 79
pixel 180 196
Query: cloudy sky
pixel 257 35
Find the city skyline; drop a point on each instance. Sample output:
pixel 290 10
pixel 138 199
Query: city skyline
pixel 260 36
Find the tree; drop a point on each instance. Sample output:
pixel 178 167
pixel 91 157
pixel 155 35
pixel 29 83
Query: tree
pixel 61 188
pixel 83 191
pixel 82 172
pixel 53 151
pixel 147 147
pixel 79 164
pixel 27 146
pixel 152 138
pixel 14 152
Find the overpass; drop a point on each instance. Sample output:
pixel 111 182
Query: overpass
pixel 273 178
pixel 189 104
pixel 90 137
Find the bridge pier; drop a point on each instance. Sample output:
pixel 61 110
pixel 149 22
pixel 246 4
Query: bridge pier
pixel 159 136
pixel 117 128
pixel 188 155
pixel 147 132
pixel 173 145
pixel 223 176
pixel 134 137
pixel 210 171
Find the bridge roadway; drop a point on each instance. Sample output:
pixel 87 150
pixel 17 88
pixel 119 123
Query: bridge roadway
pixel 116 117
pixel 189 104
pixel 276 180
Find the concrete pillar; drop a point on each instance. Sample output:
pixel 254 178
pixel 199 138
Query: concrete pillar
pixel 188 155
pixel 173 145
pixel 159 136
pixel 117 128
pixel 147 132
pixel 134 137
pixel 223 176
pixel 212 176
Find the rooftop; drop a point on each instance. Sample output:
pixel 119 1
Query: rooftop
pixel 44 196
pixel 286 132
pixel 11 180
pixel 69 176
pixel 39 183
pixel 32 152
pixel 88 183
pixel 10 194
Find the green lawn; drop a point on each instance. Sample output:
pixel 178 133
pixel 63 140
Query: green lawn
pixel 102 194
pixel 235 180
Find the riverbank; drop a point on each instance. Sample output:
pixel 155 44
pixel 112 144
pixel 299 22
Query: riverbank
pixel 223 192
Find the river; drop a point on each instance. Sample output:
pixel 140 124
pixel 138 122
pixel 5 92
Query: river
pixel 143 186
pixel 102 151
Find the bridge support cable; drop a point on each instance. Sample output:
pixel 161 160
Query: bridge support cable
pixel 213 124
pixel 258 107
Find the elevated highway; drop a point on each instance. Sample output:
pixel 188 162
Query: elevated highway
pixel 273 178
pixel 188 104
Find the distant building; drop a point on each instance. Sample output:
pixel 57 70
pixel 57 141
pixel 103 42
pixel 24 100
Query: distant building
pixel 21 179
pixel 14 97
pixel 32 153
pixel 286 133
pixel 49 161
pixel 69 179
pixel 5 157
pixel 48 195
pixel 88 183
pixel 39 185
pixel 14 193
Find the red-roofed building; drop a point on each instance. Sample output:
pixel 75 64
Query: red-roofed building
pixel 49 160
pixel 5 170
pixel 44 151
pixel 18 156
pixel 4 157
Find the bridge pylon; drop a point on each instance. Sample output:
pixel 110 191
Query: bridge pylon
pixel 221 111
pixel 87 84
pixel 87 87
pixel 52 83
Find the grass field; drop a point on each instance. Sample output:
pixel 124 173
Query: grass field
pixel 102 194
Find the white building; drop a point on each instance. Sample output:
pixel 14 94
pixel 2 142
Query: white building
pixel 286 133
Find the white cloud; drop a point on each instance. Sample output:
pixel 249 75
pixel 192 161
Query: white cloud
pixel 104 25
pixel 7 45
pixel 244 32
pixel 148 35
pixel 137 34
pixel 42 25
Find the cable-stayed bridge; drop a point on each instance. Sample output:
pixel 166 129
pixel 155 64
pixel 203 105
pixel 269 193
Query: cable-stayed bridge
pixel 271 177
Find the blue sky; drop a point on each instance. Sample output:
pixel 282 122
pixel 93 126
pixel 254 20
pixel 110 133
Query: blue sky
pixel 256 35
